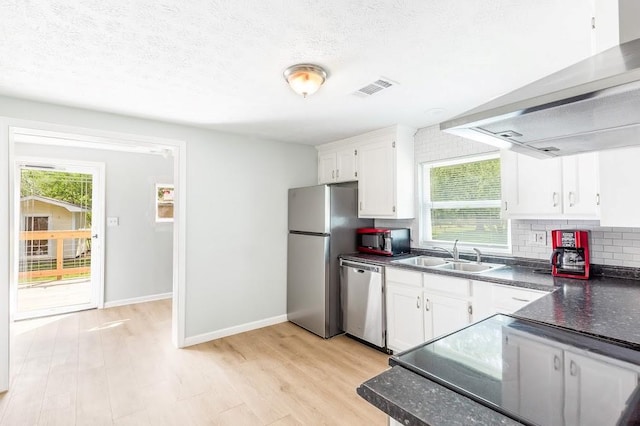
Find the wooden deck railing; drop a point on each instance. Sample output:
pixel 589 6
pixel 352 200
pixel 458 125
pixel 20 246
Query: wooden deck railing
pixel 59 237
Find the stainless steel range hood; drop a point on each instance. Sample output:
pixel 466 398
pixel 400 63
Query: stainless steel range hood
pixel 589 106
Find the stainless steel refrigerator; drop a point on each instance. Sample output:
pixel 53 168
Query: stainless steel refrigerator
pixel 322 225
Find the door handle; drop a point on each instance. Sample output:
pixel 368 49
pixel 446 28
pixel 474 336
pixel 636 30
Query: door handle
pixel 573 368
pixel 95 236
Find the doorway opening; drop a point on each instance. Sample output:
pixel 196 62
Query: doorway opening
pixel 59 254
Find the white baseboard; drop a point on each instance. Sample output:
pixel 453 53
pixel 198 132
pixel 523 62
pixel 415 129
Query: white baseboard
pixel 206 337
pixel 141 299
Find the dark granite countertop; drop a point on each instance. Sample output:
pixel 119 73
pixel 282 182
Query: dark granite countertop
pixel 602 306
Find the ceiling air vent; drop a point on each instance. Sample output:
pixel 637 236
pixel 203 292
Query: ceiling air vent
pixel 375 87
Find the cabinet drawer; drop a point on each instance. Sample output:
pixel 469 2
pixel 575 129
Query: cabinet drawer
pixel 447 285
pixel 403 276
pixel 510 299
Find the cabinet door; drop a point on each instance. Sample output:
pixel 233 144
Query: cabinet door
pixel 376 180
pixel 327 167
pixel 534 391
pixel 589 380
pixel 580 185
pixel 482 301
pixel 619 177
pixel 530 187
pixel 507 299
pixel 404 317
pixel 444 315
pixel 346 165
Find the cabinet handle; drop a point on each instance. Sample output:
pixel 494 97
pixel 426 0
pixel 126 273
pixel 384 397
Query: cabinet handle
pixel 597 199
pixel 506 206
pixel 521 300
pixel 418 302
pixel 333 174
pixel 573 368
pixel 572 197
pixel 556 362
pixel 426 305
pixel 555 199
pixel 338 173
pixel 360 205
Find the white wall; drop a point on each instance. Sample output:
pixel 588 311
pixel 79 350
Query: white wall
pixel 609 246
pixel 236 212
pixel 138 253
pixel 4 261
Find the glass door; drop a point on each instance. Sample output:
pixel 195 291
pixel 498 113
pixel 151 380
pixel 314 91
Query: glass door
pixel 57 240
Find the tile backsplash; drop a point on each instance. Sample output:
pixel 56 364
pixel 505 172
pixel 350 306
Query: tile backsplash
pixel 608 246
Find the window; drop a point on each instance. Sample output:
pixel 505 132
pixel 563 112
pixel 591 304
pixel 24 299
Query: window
pixel 461 200
pixel 164 202
pixel 36 223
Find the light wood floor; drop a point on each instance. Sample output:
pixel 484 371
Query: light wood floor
pixel 117 367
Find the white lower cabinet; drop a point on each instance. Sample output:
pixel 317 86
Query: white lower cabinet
pixel 489 299
pixel 555 372
pixel 421 307
pixel 585 376
pixel 532 391
pixel 444 315
pixel 404 317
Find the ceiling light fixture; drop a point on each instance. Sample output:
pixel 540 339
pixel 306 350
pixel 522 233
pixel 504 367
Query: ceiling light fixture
pixel 305 79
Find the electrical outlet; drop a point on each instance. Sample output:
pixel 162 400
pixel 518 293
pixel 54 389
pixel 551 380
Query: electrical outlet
pixel 538 238
pixel 113 221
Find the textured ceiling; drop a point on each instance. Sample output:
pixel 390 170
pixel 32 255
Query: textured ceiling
pixel 219 64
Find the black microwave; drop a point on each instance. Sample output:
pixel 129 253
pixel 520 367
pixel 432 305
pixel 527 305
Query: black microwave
pixel 384 241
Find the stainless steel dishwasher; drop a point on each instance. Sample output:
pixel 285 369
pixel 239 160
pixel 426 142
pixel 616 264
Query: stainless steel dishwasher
pixel 362 300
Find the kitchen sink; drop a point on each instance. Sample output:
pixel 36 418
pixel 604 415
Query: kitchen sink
pixel 424 261
pixel 429 262
pixel 472 268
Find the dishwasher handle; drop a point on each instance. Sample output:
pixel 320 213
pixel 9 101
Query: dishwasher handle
pixel 360 266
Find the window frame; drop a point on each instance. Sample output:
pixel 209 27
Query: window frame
pixel 425 206
pixel 29 248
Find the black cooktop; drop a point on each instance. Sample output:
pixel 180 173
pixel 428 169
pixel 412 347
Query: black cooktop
pixel 535 373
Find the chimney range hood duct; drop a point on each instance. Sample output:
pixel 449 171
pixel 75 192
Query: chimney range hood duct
pixel 590 106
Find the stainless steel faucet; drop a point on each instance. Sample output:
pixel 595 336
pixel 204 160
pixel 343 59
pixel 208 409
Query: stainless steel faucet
pixel 453 253
pixel 478 255
pixel 443 249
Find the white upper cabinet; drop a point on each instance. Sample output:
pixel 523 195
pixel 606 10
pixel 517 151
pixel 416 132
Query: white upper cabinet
pixel 580 185
pixel 326 167
pixel 619 177
pixel 530 187
pixel 376 196
pixel 337 165
pixel 565 187
pixel 382 163
pixel 347 165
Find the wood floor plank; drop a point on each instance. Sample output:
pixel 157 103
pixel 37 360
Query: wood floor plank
pixel 117 366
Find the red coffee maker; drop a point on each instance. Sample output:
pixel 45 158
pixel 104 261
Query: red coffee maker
pixel 570 256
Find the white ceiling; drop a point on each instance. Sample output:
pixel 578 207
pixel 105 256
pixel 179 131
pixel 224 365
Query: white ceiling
pixel 219 64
